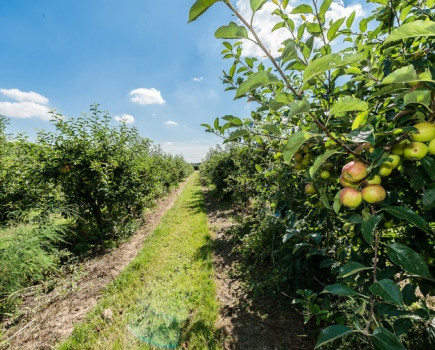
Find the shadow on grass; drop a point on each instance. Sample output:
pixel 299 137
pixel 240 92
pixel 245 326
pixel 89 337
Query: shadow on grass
pixel 247 322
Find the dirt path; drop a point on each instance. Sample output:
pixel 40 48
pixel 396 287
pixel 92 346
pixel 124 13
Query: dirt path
pixel 51 317
pixel 245 323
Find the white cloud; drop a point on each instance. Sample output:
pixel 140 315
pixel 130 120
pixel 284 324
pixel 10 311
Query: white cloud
pixel 168 143
pixel 264 22
pixel 171 123
pixel 25 109
pixel 198 79
pixel 30 96
pixel 125 118
pixel 144 96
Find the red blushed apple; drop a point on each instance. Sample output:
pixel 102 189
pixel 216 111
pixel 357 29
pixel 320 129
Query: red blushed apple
pixel 354 171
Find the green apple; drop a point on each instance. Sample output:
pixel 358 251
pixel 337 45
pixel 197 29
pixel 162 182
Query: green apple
pixel 310 189
pixel 399 147
pixel 298 157
pixel 394 159
pixel 385 169
pixel 298 167
pixel 325 174
pixel 415 151
pixel 431 147
pixel 374 180
pixel 354 171
pixel 345 183
pixel 373 194
pixel 426 132
pixel 350 197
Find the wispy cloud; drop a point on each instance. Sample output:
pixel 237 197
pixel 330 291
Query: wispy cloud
pixel 29 105
pixel 145 96
pixel 264 23
pixel 125 118
pixel 171 123
pixel 198 79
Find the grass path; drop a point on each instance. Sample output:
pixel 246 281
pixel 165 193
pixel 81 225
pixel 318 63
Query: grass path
pixel 166 292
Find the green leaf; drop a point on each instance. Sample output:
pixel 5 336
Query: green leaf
pixel 401 75
pixel 236 135
pixel 294 143
pixel 348 104
pixel 257 4
pixel 334 28
pixel 289 51
pixel 302 9
pixel 320 160
pixel 383 339
pixel 256 80
pixel 429 197
pixel 364 133
pixel 350 19
pixel 429 166
pixel 337 204
pixel 323 8
pixel 351 268
pixel 368 227
pixel 339 289
pixel 331 61
pixel 233 119
pixel 272 128
pixel 331 333
pixel 387 290
pixel 281 99
pixel 409 215
pixel 199 7
pixel 412 30
pixel 422 97
pixel 299 107
pixel 407 259
pixel 231 31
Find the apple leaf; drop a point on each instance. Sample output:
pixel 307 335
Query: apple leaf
pixel 321 159
pixel 339 289
pixel 295 141
pixel 331 333
pixel 231 31
pixel 254 81
pixel 387 290
pixel 409 215
pixel 368 227
pixel 257 4
pixel 412 29
pixel 199 7
pixel 383 339
pixel 407 259
pixel 348 104
pixel 351 268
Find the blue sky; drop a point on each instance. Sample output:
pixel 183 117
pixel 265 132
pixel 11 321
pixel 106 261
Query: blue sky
pixel 138 58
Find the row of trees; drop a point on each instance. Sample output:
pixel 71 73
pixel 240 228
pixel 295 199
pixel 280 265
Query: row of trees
pixel 74 190
pixel 335 167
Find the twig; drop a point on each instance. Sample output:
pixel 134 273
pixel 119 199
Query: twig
pixel 22 329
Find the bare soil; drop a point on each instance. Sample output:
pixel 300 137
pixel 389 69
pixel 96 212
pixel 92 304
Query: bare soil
pixel 46 319
pixel 246 323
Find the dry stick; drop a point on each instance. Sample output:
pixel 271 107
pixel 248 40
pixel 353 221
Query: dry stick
pixel 284 77
pixel 22 329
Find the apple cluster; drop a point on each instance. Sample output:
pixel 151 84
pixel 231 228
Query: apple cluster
pixel 417 149
pixel 354 174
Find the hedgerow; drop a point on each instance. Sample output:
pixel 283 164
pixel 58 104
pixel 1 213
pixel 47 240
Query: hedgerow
pixel 342 191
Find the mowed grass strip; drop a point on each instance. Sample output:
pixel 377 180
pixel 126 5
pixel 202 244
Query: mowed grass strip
pixel 166 291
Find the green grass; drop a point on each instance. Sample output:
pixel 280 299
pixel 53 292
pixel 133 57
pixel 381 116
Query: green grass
pixel 168 289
